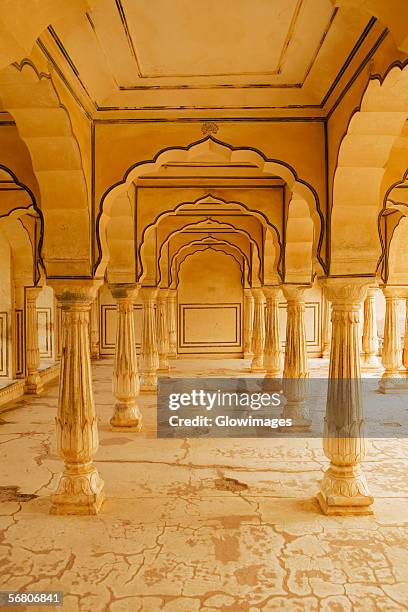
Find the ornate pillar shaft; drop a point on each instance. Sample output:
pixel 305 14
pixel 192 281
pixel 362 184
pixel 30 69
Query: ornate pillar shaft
pixel 295 369
pixel 405 350
pixel 272 350
pixel 163 345
pixel 370 336
pixel 344 488
pixel 326 326
pixel 248 322
pixel 258 337
pixel 80 489
pixel 148 354
pixel 392 349
pixel 33 383
pixel 172 322
pixel 125 387
pixel 94 328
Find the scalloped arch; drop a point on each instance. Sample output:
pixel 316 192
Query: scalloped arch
pixel 210 148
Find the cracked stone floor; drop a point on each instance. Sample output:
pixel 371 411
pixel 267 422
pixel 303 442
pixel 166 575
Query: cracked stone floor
pixel 210 525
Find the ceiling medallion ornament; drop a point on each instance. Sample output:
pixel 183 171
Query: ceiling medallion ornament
pixel 209 127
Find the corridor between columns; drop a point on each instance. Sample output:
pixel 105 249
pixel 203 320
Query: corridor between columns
pixel 203 209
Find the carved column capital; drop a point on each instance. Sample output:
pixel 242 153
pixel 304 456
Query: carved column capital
pixel 394 292
pixel 32 293
pixel 346 291
pixel 258 294
pixel 294 293
pixel 75 291
pixel 272 292
pixel 148 295
pixel 124 291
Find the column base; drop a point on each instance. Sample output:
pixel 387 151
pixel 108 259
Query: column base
pixel 33 384
pixel 393 383
pixel 79 492
pixel 344 492
pixel 370 363
pixel 126 418
pixel 273 373
pixel 148 383
pixel 301 421
pixel 257 370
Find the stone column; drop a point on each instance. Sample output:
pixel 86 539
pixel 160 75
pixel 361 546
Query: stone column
pixel 163 345
pixel 148 354
pixel 272 350
pixel 370 360
pixel 33 384
pixel 94 328
pixel 172 322
pixel 392 349
pixel 248 323
pixel 80 489
pixel 326 327
pixel 295 369
pixel 258 337
pixel 343 489
pixel 125 387
pixel 405 350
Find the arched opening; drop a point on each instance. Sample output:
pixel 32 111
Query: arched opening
pixel 362 161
